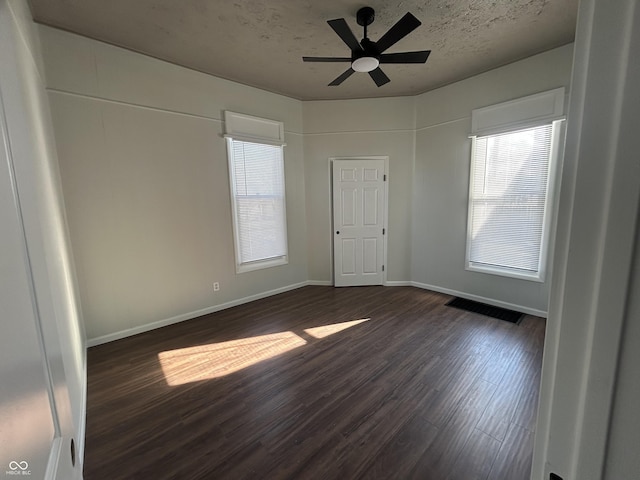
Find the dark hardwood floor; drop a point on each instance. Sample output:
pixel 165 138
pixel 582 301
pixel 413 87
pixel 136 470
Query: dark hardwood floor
pixel 283 388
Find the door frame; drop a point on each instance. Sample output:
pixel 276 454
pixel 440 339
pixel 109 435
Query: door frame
pixel 55 445
pixel 385 211
pixel 24 113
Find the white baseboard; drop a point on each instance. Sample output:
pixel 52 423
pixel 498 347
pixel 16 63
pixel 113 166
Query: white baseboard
pixel 216 308
pixel 398 283
pixel 188 316
pixel 478 298
pixel 322 283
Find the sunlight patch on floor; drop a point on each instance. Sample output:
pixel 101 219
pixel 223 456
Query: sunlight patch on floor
pixel 215 360
pixel 326 330
pixel 204 362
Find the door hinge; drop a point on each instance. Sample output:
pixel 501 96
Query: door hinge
pixel 384 177
pixel 383 268
pixel 383 230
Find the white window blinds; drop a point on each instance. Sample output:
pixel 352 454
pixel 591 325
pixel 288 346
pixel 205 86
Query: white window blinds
pixel 258 195
pixel 508 201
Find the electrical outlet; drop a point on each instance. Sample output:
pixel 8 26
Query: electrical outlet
pixel 216 286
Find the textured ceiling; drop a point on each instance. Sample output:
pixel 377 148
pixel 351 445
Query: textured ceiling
pixel 261 42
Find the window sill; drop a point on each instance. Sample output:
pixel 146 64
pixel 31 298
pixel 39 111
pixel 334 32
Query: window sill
pixel 260 264
pixel 506 272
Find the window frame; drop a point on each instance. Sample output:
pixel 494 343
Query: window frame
pixel 548 212
pixel 243 267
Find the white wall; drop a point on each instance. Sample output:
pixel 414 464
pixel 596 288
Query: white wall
pixel 145 177
pixel 426 139
pixel 348 128
pixel 441 177
pixel 46 258
pixel 622 459
pixel 589 391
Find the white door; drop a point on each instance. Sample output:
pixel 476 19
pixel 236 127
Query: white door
pixel 28 429
pixel 359 206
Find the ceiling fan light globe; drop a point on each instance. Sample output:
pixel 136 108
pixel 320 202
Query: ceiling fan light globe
pixel 365 64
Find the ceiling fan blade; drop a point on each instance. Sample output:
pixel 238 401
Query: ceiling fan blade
pixel 340 26
pixel 379 77
pixel 342 77
pixel 405 57
pixel 401 29
pixel 326 59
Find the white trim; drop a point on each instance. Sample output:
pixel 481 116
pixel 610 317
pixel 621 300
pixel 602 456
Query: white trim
pixel 595 245
pixel 441 124
pixel 92 342
pixel 82 428
pixel 260 130
pixel 250 139
pixel 552 187
pixel 504 271
pixel 468 296
pixel 25 42
pixel 523 112
pixel 385 222
pixel 478 298
pixel 7 148
pixel 354 132
pixel 51 473
pixel 86 96
pixel 265 262
pixel 260 264
pixel 399 283
pixel 332 226
pixel 146 107
pixel 111 337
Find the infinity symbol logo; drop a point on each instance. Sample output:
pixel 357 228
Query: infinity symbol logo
pixel 23 465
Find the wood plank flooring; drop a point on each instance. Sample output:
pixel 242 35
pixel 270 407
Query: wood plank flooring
pixel 319 383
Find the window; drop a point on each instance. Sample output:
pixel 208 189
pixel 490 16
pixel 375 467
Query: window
pixel 509 201
pixel 256 172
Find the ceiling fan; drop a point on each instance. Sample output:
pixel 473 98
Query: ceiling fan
pixel 367 55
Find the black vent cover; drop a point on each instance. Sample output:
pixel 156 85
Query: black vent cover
pixel 484 309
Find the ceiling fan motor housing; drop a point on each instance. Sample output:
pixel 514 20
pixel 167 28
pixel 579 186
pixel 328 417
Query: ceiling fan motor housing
pixel 369 49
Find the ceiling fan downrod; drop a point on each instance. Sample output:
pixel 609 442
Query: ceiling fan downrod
pixel 365 17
